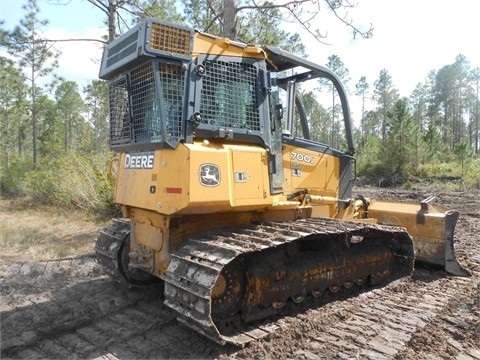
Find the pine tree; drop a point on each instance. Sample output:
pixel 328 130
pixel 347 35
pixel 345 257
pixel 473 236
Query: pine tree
pixel 70 107
pixel 35 54
pixel 385 96
pixel 403 144
pixel 13 112
pixel 338 67
pixel 97 101
pixel 361 89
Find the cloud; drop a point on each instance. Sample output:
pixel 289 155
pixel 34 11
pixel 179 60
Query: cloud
pixel 79 60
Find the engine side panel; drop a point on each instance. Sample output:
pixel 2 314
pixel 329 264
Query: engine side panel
pixel 195 178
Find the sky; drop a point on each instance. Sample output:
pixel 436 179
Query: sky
pixel 410 38
pixel 80 61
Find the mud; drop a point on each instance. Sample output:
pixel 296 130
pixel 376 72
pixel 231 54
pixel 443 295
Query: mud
pixel 71 308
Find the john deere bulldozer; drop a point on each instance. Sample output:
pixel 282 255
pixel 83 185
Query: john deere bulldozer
pixel 225 196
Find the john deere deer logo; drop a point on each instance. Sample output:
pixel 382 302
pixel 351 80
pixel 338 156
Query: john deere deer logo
pixel 209 175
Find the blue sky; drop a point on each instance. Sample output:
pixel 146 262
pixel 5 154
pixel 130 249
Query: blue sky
pixel 73 15
pixel 79 61
pixel 411 37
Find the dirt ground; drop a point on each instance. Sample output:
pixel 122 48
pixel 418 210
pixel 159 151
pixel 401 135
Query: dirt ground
pixel 69 307
pixel 33 233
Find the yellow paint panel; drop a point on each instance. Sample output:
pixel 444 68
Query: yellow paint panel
pixel 209 44
pixel 429 224
pixel 146 230
pixel 197 178
pixel 209 178
pixel 248 177
pixel 133 185
pixel 306 169
pixel 162 188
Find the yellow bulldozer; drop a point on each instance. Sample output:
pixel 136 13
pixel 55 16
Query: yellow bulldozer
pixel 225 196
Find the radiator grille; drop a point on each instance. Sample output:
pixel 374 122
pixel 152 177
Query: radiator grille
pixel 119 112
pixel 228 97
pixel 170 39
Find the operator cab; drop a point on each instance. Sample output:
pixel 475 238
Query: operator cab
pixel 170 84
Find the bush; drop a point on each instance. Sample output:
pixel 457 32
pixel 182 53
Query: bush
pixel 471 175
pixel 76 181
pixel 466 176
pixel 11 178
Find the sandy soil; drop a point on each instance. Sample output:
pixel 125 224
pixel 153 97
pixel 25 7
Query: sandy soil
pixel 71 308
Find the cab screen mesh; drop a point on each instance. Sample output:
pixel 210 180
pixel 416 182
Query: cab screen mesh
pixel 155 108
pixel 172 81
pixel 119 112
pixel 146 122
pixel 228 96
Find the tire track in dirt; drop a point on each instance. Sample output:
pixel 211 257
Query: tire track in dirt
pixel 82 313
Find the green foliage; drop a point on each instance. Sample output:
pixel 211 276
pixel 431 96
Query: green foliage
pixel 369 158
pixel 471 175
pixel 465 177
pixel 162 9
pixel 96 99
pixel 13 111
pixel 336 133
pixel 403 142
pixel 34 54
pixel 440 170
pixel 262 26
pixel 69 109
pixel 11 177
pixel 70 181
pixel 385 96
pixel 318 117
pixel 49 129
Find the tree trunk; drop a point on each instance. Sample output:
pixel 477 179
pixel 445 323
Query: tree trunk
pixel 477 130
pixel 229 19
pixel 112 21
pixel 34 120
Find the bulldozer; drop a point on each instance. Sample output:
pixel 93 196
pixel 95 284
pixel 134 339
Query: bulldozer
pixel 225 196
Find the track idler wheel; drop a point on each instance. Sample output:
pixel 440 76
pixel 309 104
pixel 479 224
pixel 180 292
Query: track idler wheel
pixel 379 277
pixel 359 281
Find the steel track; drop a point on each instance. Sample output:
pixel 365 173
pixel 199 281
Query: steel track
pixel 196 267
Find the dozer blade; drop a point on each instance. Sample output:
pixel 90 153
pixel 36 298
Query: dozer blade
pixel 431 226
pixel 223 282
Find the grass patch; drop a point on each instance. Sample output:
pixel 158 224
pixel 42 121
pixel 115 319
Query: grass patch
pixel 44 233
